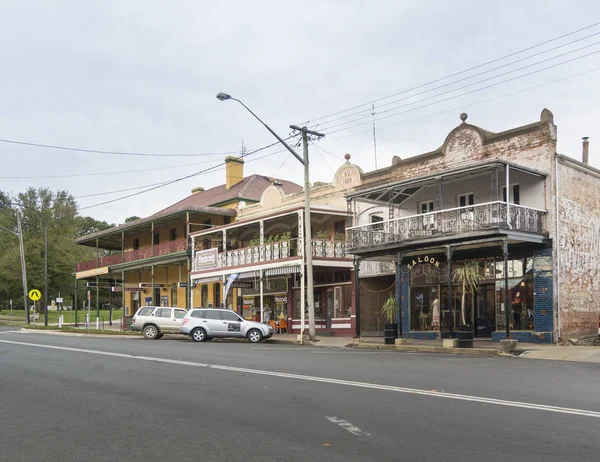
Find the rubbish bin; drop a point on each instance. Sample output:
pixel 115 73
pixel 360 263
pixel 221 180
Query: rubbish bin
pixel 127 323
pixel 391 333
pixel 465 336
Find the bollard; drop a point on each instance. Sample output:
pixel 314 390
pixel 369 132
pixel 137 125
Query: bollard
pixel 97 323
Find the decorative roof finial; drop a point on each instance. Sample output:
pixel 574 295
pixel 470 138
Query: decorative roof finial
pixel 464 117
pixel 347 157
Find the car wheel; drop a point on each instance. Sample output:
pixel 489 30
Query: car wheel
pixel 150 332
pixel 161 335
pixel 255 336
pixel 198 334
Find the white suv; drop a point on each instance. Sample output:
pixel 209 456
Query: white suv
pixel 155 321
pixel 203 324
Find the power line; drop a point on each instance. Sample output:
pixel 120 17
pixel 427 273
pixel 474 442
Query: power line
pixel 465 93
pixel 116 153
pixel 370 111
pixel 118 190
pixel 78 175
pixel 281 166
pixel 176 180
pixel 460 72
pixel 467 105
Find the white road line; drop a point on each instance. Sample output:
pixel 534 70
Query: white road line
pixel 348 426
pixel 350 383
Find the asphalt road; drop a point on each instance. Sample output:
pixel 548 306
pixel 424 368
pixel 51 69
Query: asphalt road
pixel 67 398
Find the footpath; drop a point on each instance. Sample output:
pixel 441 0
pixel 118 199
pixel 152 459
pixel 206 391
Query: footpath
pixel 480 347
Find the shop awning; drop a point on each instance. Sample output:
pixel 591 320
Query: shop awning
pixel 248 275
pixel 209 279
pixel 282 270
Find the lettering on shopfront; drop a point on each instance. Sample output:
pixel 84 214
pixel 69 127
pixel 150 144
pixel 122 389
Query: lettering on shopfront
pixel 206 259
pixel 425 259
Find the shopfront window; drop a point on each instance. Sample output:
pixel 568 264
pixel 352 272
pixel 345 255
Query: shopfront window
pixel 520 306
pixel 425 308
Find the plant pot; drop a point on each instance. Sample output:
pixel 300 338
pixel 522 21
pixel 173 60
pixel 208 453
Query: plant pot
pixel 390 333
pixel 465 336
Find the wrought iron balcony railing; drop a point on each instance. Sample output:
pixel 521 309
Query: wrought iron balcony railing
pixel 271 251
pixel 491 215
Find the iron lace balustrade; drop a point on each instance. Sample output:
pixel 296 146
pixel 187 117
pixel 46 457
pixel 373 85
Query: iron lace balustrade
pixel 491 215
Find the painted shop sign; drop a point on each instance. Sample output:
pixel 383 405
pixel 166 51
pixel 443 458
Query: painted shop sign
pixel 425 259
pixel 206 259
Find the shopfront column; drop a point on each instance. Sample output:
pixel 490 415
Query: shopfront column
pixel 357 294
pixel 153 295
pixel 450 308
pixel 399 293
pixel 507 306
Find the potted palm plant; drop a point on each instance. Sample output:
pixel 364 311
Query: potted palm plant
pixel 390 311
pixel 468 276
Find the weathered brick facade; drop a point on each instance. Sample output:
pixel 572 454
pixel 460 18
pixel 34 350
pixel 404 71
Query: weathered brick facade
pixel 571 283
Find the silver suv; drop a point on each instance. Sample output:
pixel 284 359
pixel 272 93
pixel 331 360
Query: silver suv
pixel 203 324
pixel 155 321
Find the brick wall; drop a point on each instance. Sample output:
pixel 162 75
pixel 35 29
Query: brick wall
pixel 579 244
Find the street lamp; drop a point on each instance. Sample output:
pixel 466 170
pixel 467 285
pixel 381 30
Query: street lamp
pixel 45 260
pixel 307 230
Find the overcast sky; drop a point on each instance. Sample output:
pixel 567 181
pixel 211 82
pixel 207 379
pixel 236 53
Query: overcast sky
pixel 141 76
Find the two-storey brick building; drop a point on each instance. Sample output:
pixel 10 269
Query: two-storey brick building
pixel 489 198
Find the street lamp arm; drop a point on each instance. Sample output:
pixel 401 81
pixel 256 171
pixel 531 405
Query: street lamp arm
pixel 289 148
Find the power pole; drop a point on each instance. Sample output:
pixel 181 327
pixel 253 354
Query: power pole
pixel 23 269
pixel 307 232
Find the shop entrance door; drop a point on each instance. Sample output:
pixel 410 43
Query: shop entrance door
pixel 485 311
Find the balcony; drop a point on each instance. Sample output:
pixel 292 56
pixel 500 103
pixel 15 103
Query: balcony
pixel 273 251
pixel 481 217
pixel 166 248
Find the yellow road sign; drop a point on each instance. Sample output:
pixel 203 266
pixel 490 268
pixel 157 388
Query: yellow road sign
pixel 35 295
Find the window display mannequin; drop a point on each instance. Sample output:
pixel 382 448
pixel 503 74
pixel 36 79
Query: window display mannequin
pixel 435 322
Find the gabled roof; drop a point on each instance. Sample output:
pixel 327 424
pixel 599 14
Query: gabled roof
pixel 249 189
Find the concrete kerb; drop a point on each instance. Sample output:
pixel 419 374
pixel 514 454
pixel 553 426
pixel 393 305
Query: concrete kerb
pixel 76 334
pixel 430 349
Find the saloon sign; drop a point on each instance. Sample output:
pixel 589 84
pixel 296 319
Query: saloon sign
pixel 206 259
pixel 425 259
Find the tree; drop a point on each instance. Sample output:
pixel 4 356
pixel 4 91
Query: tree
pixel 468 276
pixel 132 218
pixel 64 225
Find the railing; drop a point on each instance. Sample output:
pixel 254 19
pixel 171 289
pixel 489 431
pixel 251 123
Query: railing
pixel 321 248
pixel 327 249
pixel 166 248
pixel 491 215
pixel 258 253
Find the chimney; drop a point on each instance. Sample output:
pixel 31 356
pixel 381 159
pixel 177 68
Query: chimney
pixel 234 171
pixel 197 190
pixel 586 150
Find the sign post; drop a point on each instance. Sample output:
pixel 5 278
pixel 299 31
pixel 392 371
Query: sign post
pixel 34 295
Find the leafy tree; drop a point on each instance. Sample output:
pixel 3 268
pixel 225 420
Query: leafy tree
pixel 59 209
pixel 132 218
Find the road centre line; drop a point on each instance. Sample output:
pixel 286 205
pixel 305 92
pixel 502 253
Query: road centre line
pixel 374 386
